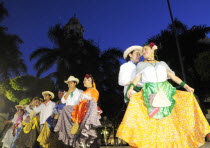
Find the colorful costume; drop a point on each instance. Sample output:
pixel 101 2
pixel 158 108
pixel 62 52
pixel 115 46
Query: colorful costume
pixel 19 128
pixel 64 123
pixel 9 136
pixel 29 133
pixel 179 124
pixel 47 138
pixel 45 110
pixel 86 113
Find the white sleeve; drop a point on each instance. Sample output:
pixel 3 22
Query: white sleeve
pixel 124 75
pixel 167 67
pixel 38 109
pixel 53 106
pixel 28 109
pixel 85 97
pixel 63 99
pixel 80 90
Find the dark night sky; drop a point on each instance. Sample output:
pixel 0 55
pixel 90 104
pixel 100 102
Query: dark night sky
pixel 110 23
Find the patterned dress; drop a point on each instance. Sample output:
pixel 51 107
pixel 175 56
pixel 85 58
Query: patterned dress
pixel 29 133
pixel 86 113
pixel 178 125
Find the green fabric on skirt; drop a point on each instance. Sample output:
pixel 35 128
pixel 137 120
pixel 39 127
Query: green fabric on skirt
pixel 168 89
pixel 136 88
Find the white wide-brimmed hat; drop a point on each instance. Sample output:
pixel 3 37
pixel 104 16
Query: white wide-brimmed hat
pixel 72 78
pixel 130 49
pixel 16 106
pixel 49 93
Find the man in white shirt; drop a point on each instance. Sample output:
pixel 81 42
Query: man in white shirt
pixel 72 96
pixel 45 109
pixel 128 70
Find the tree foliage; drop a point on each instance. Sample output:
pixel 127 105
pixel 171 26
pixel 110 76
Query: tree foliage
pixel 3 11
pixel 11 63
pixel 202 65
pixel 25 87
pixel 74 55
pixel 191 45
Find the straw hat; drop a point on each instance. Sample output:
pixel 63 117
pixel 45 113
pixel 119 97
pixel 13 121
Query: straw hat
pixel 72 78
pixel 130 49
pixel 16 106
pixel 49 93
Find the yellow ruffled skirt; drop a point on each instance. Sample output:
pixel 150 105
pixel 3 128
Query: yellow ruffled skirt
pixel 185 127
pixel 44 136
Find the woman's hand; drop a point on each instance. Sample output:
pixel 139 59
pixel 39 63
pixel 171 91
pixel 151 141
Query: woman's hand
pixel 188 88
pixel 134 83
pixel 130 93
pixel 178 81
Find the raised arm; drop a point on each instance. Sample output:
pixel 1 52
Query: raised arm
pixel 179 81
pixel 28 109
pixel 37 109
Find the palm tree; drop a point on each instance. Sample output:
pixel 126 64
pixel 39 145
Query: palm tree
pixel 190 45
pixel 71 55
pixel 3 11
pixel 11 63
pixel 202 64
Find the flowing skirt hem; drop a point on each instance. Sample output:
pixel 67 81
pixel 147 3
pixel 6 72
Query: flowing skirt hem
pixel 185 127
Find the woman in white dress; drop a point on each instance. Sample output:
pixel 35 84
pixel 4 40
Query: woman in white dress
pixel 159 116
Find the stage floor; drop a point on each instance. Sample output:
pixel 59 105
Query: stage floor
pixel 206 145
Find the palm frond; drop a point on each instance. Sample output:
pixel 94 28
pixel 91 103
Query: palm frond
pixel 45 58
pixel 41 51
pixel 180 27
pixel 45 66
pixel 55 34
